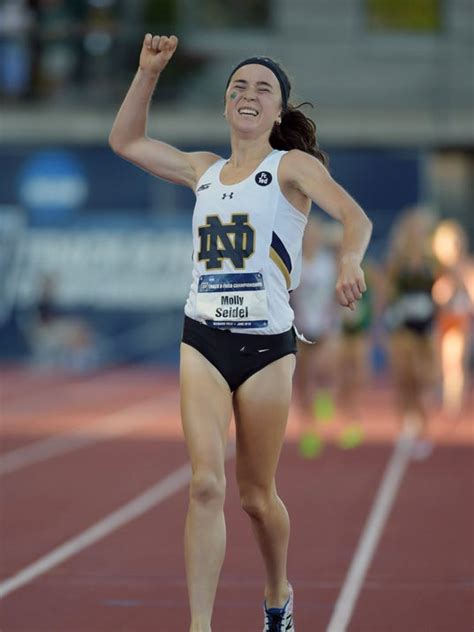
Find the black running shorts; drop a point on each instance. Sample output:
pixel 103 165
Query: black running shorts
pixel 237 356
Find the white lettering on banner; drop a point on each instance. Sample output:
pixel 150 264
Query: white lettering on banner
pixel 11 239
pixel 108 268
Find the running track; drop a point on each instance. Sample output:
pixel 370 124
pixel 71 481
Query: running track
pixel 93 496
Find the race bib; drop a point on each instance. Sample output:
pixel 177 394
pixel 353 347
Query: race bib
pixel 236 300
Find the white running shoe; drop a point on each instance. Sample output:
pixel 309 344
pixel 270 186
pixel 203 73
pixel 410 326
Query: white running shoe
pixel 280 619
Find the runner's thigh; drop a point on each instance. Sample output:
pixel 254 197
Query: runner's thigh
pixel 206 408
pixel 261 407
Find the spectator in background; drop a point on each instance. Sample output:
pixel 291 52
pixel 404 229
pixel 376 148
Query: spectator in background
pixel 56 44
pixel 453 293
pixel 59 341
pixel 410 316
pixel 16 26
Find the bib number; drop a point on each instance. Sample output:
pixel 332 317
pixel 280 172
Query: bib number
pixel 233 300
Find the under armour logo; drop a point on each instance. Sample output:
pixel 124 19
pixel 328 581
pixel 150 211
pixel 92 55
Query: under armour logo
pixel 228 195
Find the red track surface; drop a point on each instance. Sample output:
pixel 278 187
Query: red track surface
pixel 420 579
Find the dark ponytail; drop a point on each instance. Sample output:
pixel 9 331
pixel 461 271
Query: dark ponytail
pixel 297 131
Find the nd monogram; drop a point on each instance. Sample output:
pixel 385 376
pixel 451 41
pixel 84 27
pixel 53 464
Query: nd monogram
pixel 234 241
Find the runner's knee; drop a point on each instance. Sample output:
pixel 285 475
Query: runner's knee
pixel 256 502
pixel 207 487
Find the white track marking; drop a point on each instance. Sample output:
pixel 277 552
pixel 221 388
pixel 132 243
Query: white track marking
pixel 386 495
pixel 38 389
pixel 95 386
pixel 147 500
pixel 115 424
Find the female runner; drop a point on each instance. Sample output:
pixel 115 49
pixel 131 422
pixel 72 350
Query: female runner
pixel 238 348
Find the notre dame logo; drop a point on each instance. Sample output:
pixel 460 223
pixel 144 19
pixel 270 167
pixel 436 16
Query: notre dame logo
pixel 234 241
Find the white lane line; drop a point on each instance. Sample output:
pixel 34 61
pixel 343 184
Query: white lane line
pixel 147 500
pixel 38 390
pixel 141 504
pixel 91 388
pixel 115 424
pixel 386 495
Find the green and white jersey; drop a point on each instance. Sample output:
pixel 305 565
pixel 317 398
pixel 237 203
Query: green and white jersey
pixel 247 251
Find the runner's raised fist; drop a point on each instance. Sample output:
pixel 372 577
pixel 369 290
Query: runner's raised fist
pixel 156 52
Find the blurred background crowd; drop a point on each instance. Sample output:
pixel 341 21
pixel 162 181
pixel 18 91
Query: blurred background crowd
pixel 95 255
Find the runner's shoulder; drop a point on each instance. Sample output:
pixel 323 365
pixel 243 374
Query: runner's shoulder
pixel 201 161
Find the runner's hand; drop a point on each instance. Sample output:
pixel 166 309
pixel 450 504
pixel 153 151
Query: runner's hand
pixel 156 52
pixel 351 282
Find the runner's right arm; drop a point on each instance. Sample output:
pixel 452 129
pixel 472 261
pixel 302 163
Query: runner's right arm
pixel 128 136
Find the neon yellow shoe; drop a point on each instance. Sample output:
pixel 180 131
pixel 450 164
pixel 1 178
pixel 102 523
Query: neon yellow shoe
pixel 351 437
pixel 310 445
pixel 324 409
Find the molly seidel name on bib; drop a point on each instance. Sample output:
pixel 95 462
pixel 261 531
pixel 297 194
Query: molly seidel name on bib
pixel 232 300
pixel 232 312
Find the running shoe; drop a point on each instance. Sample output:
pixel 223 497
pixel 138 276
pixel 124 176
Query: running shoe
pixel 280 619
pixel 351 437
pixel 324 409
pixel 310 445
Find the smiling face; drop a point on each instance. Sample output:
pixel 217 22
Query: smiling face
pixel 253 100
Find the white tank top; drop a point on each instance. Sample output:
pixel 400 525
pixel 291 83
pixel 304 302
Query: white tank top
pixel 247 251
